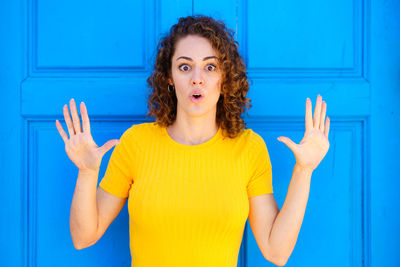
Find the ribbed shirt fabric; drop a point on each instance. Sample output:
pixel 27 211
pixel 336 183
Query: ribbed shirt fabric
pixel 188 204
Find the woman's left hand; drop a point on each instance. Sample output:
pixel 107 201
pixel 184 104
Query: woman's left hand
pixel 315 144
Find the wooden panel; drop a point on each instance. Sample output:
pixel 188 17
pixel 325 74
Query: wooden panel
pixel 104 97
pixel 334 218
pixel 299 39
pixel 51 183
pixel 68 37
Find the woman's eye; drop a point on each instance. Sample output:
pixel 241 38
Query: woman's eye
pixel 211 67
pixel 184 67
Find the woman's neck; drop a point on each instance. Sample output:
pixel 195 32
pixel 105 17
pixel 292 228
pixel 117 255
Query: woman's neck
pixel 193 131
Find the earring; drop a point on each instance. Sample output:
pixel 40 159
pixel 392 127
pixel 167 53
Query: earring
pixel 171 88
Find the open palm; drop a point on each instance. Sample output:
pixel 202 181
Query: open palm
pixel 315 144
pixel 80 146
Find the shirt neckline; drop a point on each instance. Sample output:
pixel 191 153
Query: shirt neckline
pixel 207 143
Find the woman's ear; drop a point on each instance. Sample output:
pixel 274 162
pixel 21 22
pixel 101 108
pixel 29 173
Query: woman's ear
pixel 170 81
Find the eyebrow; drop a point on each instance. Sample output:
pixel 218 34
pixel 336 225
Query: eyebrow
pixel 204 59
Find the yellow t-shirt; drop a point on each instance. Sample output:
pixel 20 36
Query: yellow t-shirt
pixel 188 204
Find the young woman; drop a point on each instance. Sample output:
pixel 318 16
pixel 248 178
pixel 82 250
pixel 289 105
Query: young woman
pixel 195 175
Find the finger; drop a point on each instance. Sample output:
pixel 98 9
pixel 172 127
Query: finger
pixel 60 129
pixel 292 145
pixel 317 112
pixel 328 122
pixel 75 116
pixel 68 121
pixel 85 118
pixel 323 113
pixel 308 119
pixel 108 145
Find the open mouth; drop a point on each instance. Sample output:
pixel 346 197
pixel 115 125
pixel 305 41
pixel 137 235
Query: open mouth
pixel 196 98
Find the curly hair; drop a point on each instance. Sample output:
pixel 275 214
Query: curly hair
pixel 232 102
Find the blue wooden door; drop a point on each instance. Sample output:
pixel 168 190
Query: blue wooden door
pixel 101 52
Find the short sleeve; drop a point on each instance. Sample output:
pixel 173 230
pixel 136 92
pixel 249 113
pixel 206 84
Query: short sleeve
pixel 118 177
pixel 260 181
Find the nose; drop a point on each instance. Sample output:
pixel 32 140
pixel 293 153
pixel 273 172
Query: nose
pixel 197 78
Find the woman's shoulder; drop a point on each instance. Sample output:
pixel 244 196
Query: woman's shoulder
pixel 142 130
pixel 250 136
pixel 247 140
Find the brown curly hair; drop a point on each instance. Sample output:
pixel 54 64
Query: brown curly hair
pixel 232 102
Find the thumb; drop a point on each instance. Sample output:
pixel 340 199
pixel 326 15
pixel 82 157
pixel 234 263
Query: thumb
pixel 288 142
pixel 108 145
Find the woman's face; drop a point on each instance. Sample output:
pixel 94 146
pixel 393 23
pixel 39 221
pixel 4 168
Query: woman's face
pixel 195 71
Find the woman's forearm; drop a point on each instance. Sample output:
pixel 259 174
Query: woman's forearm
pixel 287 224
pixel 83 217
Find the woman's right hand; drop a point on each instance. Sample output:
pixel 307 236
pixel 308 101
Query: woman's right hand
pixel 80 147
